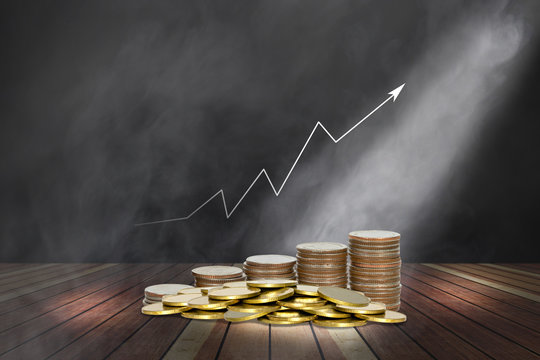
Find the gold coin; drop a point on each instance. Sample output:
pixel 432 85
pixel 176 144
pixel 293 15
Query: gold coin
pixel 371 308
pixel 251 308
pixel 287 313
pixel 271 296
pixel 303 306
pixel 198 290
pixel 205 303
pixel 233 293
pixel 329 312
pixel 301 317
pixel 271 283
pixel 388 317
pixel 266 320
pixel 160 309
pixel 179 300
pixel 235 316
pixel 349 322
pixel 203 315
pixel 343 296
pixel 308 290
pixel 308 299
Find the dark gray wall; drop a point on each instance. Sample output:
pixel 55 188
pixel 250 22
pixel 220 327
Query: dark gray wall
pixel 117 112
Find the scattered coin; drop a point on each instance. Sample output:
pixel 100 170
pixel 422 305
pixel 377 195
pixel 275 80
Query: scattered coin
pixel 160 309
pixel 371 308
pixel 233 293
pixel 343 296
pixel 389 316
pixel 271 283
pixel 349 322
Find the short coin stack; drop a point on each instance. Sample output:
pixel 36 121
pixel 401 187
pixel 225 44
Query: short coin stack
pixel 270 267
pixel 276 302
pixel 322 264
pixel 207 276
pixel 376 265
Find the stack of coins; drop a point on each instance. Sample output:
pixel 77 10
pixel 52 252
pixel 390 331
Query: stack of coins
pixel 208 276
pixel 376 265
pixel 276 302
pixel 154 294
pixel 270 267
pixel 322 264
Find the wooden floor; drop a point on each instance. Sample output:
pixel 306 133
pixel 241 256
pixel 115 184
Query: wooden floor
pixel 92 311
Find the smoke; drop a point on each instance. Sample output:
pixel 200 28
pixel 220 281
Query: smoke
pixel 438 116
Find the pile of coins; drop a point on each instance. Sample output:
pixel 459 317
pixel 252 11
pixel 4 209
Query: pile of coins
pixel 270 267
pixel 208 276
pixel 276 302
pixel 376 265
pixel 322 264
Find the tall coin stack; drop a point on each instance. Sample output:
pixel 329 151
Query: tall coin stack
pixel 206 276
pixel 376 265
pixel 322 264
pixel 270 267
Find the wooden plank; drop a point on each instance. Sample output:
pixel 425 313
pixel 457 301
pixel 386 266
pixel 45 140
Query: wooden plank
pixel 45 284
pixel 508 335
pixel 146 337
pixel 41 294
pixel 508 298
pixel 24 269
pixel 502 309
pixel 58 328
pixel 246 340
pixel 26 280
pixel 513 270
pixel 435 338
pixel 293 342
pixel 495 285
pixel 521 266
pixel 512 279
pixel 387 341
pixel 343 343
pixel 26 313
pixel 210 348
pixel 192 339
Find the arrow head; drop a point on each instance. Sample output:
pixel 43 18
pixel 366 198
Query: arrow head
pixel 396 91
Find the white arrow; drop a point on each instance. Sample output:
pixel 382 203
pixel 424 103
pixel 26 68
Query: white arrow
pixel 393 95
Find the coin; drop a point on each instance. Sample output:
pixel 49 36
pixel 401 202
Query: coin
pixel 149 302
pixel 233 293
pixel 251 308
pixel 389 316
pixel 308 290
pixel 157 291
pixel 266 320
pixel 271 260
pixel 287 313
pixel 349 322
pixel 305 317
pixel 371 308
pixel 271 283
pixel 205 303
pixel 270 296
pixel 343 296
pixel 233 284
pixel 217 272
pixel 203 315
pixel 179 300
pixel 198 290
pixel 374 235
pixel 303 306
pixel 160 309
pixel 308 299
pixel 328 312
pixel 327 247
